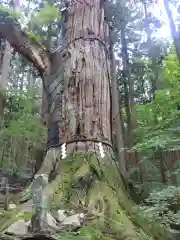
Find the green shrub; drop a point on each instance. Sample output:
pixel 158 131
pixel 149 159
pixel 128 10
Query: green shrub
pixel 163 206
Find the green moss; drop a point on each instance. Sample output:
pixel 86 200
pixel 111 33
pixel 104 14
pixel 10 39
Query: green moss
pixel 87 183
pixel 8 218
pixel 2 94
pixel 12 216
pixel 34 37
pixel 100 196
pixel 82 171
pixel 155 230
pixel 25 215
pixel 90 232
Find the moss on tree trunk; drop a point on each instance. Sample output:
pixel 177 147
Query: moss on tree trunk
pixel 90 184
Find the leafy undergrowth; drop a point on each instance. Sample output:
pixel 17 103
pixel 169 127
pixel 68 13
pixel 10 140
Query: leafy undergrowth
pixel 92 232
pixel 163 206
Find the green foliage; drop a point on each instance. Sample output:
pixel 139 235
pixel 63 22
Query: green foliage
pixel 22 119
pixel 22 129
pixel 48 14
pixel 90 232
pixel 159 120
pixel 25 216
pixel 163 206
pixel 34 37
pixel 43 23
pixel 9 15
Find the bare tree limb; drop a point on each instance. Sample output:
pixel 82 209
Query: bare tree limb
pixel 27 47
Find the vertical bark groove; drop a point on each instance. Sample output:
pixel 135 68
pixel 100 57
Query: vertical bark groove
pixel 84 104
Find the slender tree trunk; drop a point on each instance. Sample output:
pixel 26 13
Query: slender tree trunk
pixel 162 167
pixel 129 135
pixel 127 68
pixel 29 80
pixel 122 123
pixel 154 80
pixel 174 33
pixel 5 66
pixel 21 84
pixel 116 113
pixel 173 161
pixel 148 30
pixel 129 102
pixel 1 53
pixel 4 78
pixel 128 89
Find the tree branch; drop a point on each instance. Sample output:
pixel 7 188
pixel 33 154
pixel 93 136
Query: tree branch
pixel 27 47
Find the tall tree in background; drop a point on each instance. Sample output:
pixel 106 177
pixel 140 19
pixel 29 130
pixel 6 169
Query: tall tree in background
pixel 5 66
pixel 116 117
pixel 174 31
pixel 150 45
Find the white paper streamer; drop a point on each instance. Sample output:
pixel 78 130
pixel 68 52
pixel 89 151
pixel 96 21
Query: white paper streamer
pixel 63 151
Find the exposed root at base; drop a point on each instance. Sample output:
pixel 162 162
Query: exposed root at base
pixel 87 185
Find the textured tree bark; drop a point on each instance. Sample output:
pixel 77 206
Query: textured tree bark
pixel 116 116
pixel 5 66
pixel 162 167
pixel 174 33
pixel 4 77
pixel 7 57
pixel 129 103
pixel 170 158
pixel 173 168
pixel 27 47
pixel 85 100
pixel 154 79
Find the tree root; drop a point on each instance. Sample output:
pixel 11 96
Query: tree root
pixel 46 168
pixel 88 185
